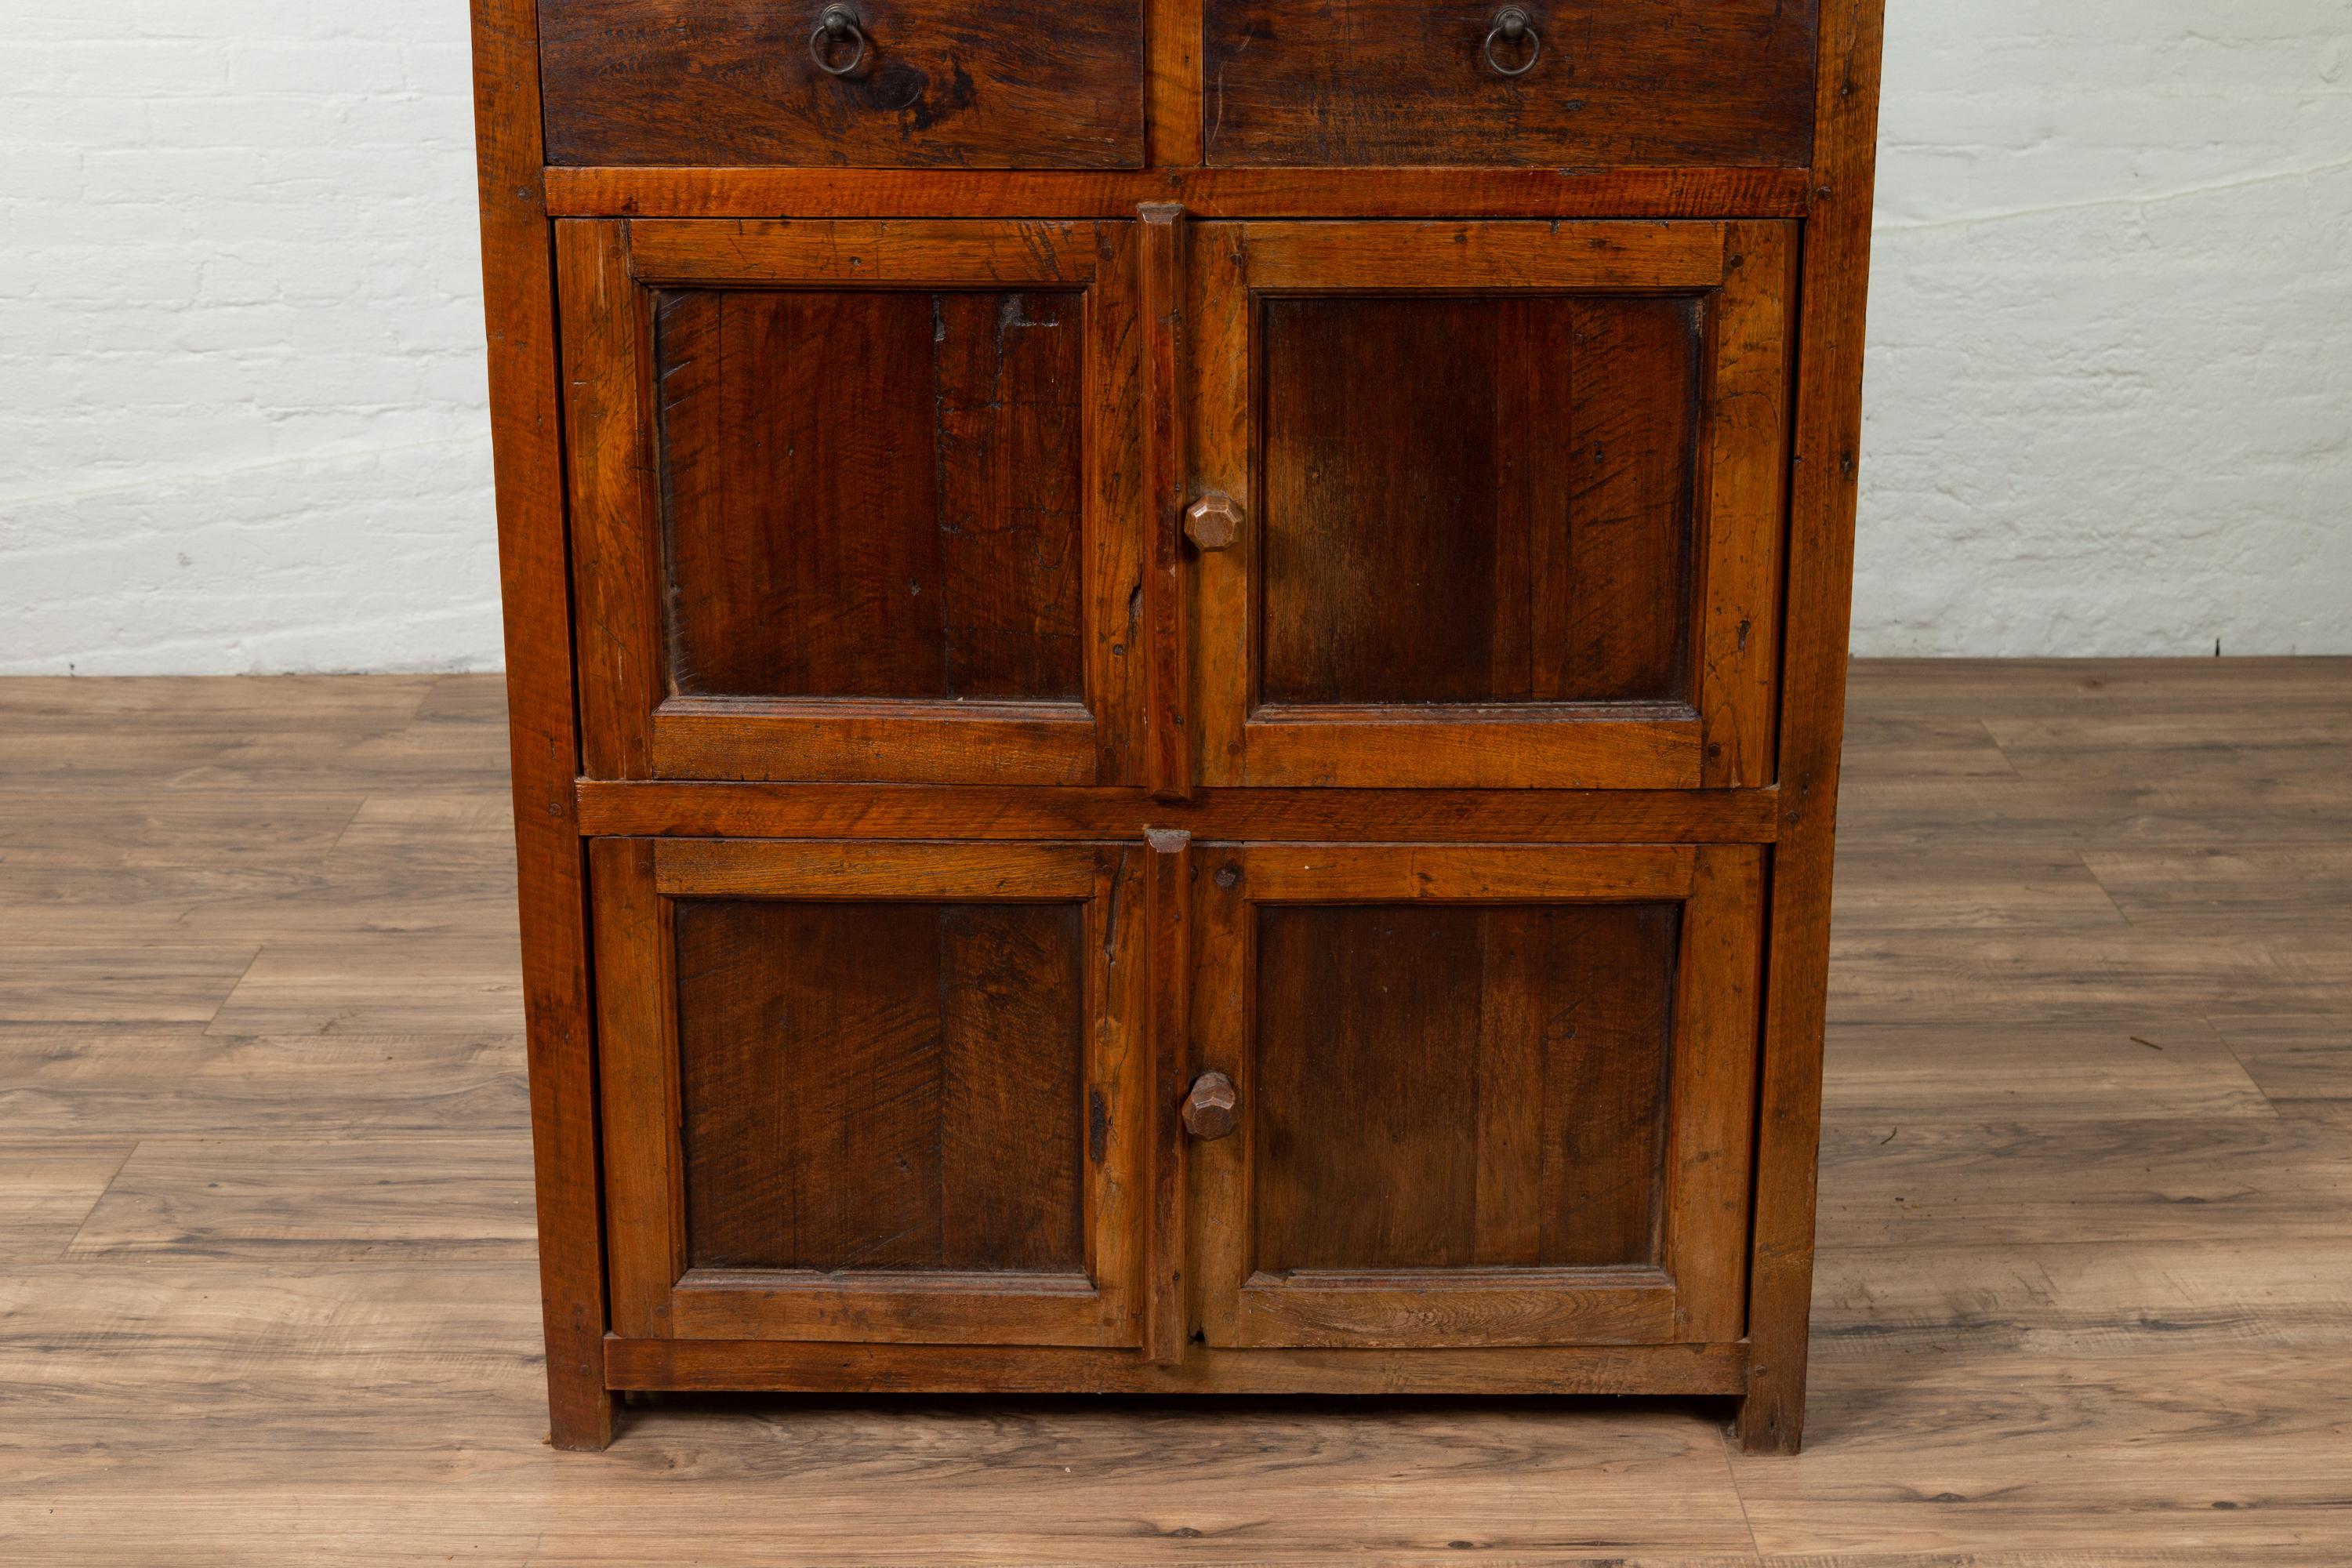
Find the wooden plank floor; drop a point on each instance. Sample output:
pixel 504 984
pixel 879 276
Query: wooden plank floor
pixel 2085 1290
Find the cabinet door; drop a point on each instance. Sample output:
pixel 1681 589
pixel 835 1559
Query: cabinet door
pixel 1482 1095
pixel 876 1093
pixel 1509 501
pixel 853 500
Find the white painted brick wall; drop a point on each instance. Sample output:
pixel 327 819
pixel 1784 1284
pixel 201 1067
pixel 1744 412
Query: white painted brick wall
pixel 242 419
pixel 241 406
pixel 2109 406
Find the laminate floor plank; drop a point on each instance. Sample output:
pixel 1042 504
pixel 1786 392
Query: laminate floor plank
pixel 2010 977
pixel 59 1083
pixel 2057 1299
pixel 2082 1300
pixel 2299 1060
pixel 2088 1182
pixel 1977 887
pixel 110 985
pixel 2154 1065
pixel 2242 1449
pixel 373 982
pixel 2267 887
pixel 48 1188
pixel 342 1199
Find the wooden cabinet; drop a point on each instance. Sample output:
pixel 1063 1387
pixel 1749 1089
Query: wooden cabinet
pixel 1176 674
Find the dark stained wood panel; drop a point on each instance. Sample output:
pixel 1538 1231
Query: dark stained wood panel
pixel 881 1085
pixel 1444 1087
pixel 1012 84
pixel 1403 82
pixel 873 493
pixel 1478 499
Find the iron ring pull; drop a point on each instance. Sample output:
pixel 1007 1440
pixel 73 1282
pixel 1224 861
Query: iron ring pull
pixel 837 24
pixel 1511 25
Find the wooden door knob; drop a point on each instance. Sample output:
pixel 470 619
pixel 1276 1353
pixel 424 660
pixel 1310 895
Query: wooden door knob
pixel 1209 1109
pixel 1213 522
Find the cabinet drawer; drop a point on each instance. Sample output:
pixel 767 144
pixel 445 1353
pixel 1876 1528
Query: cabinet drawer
pixel 1406 82
pixel 920 83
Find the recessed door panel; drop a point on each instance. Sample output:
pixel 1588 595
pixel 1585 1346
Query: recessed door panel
pixel 890 1086
pixel 873 494
pixel 856 500
pixel 871 1091
pixel 1481 499
pixel 1510 502
pixel 1482 1095
pixel 1462 1086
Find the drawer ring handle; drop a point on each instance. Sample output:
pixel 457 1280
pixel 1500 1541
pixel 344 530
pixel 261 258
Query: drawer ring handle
pixel 837 24
pixel 1511 25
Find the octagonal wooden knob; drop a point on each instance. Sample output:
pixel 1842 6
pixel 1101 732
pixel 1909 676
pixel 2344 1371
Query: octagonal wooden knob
pixel 1209 1109
pixel 1213 522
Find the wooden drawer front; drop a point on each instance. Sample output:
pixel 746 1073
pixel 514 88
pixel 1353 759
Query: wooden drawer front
pixel 1485 1095
pixel 1513 497
pixel 873 1092
pixel 1011 84
pixel 1406 82
pixel 853 500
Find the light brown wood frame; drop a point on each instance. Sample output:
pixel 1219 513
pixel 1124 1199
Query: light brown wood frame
pixel 1722 737
pixel 554 806
pixel 1696 1292
pixel 654 1293
pixel 635 724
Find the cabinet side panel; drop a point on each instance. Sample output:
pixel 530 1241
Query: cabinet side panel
pixel 525 417
pixel 1819 601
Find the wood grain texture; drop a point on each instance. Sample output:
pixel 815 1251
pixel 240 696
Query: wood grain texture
pixel 875 1091
pixel 880 254
pixel 1484 482
pixel 853 500
pixel 1828 434
pixel 1376 1030
pixel 1431 816
pixel 1453 256
pixel 882 1086
pixel 1020 84
pixel 613 497
pixel 1168 893
pixel 1481 499
pixel 1172 88
pixel 873 494
pixel 526 426
pixel 1394 82
pixel 1743 500
pixel 975 742
pixel 638 1064
pixel 1537 1062
pixel 1304 193
pixel 1167 606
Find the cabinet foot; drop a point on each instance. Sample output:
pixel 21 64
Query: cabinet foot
pixel 1771 1415
pixel 579 1418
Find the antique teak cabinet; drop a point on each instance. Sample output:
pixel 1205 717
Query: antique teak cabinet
pixel 1177 671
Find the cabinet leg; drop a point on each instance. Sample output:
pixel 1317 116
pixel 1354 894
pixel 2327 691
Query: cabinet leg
pixel 1771 1418
pixel 580 1413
